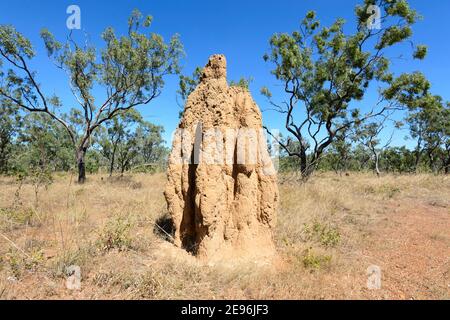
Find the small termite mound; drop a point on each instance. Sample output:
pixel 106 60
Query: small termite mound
pixel 222 189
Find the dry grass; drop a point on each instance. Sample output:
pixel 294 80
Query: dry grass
pixel 329 231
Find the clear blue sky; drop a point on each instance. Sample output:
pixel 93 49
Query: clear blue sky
pixel 238 29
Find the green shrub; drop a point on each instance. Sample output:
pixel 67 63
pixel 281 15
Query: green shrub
pixel 116 235
pixel 67 258
pixel 327 236
pixel 315 261
pixel 18 262
pixel 11 219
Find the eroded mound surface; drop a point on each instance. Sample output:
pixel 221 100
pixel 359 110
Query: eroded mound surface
pixel 222 192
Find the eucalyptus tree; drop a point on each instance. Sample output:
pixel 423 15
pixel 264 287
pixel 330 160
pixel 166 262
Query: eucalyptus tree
pixel 151 143
pixel 368 134
pixel 428 116
pixel 128 140
pixel 188 84
pixel 10 122
pixel 429 125
pixel 116 133
pixel 340 153
pixel 326 72
pixel 129 68
pixel 42 145
pixel 140 146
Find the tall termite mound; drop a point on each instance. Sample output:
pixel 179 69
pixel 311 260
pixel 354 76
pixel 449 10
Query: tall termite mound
pixel 222 191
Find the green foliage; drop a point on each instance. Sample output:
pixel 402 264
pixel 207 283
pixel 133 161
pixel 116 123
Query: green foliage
pixel 323 70
pixel 242 83
pixel 408 90
pixel 18 262
pixel 339 154
pixel 358 158
pixel 129 141
pixel 43 145
pixel 428 119
pixel 131 68
pixel 10 122
pixel 315 261
pixel 327 236
pixel 16 218
pixel 188 84
pixel 14 44
pixel 116 235
pixel 398 160
pixel 421 52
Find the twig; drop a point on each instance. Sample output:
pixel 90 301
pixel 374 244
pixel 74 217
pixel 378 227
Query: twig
pixel 14 245
pixel 165 232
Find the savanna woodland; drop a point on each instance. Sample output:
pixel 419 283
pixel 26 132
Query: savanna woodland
pixel 82 179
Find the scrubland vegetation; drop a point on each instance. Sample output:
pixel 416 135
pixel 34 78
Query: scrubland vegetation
pixel 82 178
pixel 329 232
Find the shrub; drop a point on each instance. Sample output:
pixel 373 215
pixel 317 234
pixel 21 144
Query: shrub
pixel 11 219
pixel 116 235
pixel 315 261
pixel 18 262
pixel 327 236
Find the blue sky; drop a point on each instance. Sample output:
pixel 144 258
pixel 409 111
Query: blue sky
pixel 238 29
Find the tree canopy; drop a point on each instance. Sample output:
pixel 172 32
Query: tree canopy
pixel 130 68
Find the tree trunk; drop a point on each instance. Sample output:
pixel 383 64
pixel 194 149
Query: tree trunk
pixel 418 155
pixel 303 163
pixel 3 159
pixel 417 161
pixel 447 163
pixel 113 159
pixel 431 160
pixel 376 159
pixel 81 165
pixel 113 156
pixel 377 164
pixel 125 166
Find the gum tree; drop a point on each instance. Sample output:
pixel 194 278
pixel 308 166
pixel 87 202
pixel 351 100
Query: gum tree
pixel 368 134
pixel 325 72
pixel 129 68
pixel 10 121
pixel 429 126
pixel 427 116
pixel 130 141
pixel 117 133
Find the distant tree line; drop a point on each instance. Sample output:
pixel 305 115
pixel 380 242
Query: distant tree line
pixel 32 142
pixel 366 146
pixel 343 159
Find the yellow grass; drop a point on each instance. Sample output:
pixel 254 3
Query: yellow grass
pixel 329 232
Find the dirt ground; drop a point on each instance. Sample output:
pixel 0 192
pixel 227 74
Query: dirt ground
pixel 329 232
